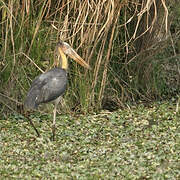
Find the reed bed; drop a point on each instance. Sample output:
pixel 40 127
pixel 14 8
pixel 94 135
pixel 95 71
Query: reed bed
pixel 119 39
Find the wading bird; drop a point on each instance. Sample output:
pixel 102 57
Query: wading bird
pixel 51 85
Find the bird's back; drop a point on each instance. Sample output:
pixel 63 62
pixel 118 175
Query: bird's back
pixel 46 87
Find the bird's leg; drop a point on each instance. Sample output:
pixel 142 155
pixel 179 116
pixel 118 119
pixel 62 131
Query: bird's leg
pixel 54 122
pixel 32 124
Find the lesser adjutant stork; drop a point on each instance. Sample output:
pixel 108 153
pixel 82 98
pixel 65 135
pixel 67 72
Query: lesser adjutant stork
pixel 51 85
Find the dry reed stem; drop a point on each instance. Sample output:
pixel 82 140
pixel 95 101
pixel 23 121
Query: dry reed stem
pixel 12 36
pixel 104 79
pixel 32 62
pixel 40 17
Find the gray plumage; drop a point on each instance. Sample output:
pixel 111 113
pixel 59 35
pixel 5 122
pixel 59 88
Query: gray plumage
pixel 51 85
pixel 46 87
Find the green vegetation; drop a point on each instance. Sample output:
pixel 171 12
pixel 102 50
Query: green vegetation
pixel 137 143
pixel 133 48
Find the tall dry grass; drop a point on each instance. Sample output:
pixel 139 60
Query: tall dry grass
pixel 112 36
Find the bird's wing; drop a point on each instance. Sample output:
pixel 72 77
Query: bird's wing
pixel 47 87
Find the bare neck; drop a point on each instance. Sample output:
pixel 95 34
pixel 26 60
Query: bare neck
pixel 64 61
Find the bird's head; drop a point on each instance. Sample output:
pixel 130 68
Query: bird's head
pixel 64 49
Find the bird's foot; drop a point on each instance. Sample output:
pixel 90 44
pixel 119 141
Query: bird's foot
pixel 53 133
pixel 52 138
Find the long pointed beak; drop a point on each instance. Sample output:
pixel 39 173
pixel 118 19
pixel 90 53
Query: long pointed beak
pixel 68 50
